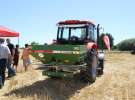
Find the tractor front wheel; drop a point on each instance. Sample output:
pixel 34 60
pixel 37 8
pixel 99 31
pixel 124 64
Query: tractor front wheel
pixel 101 67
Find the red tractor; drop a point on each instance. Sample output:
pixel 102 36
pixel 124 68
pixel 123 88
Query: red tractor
pixel 74 50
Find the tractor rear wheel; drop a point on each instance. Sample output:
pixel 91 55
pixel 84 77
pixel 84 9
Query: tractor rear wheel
pixel 91 70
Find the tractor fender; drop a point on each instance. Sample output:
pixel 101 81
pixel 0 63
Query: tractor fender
pixel 91 45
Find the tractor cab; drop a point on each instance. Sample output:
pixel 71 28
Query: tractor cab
pixel 76 32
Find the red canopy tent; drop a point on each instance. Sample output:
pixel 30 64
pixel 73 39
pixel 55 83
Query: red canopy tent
pixel 5 32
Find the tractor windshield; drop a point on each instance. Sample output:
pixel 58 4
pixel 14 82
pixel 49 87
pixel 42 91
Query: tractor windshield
pixel 71 34
pixel 79 33
pixel 68 33
pixel 74 35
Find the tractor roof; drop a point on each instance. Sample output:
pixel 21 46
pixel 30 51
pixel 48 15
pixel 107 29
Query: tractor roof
pixel 75 22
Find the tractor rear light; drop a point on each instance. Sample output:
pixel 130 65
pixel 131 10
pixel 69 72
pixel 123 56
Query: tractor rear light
pixel 91 45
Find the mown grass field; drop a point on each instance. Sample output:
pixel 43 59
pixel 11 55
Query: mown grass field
pixel 117 83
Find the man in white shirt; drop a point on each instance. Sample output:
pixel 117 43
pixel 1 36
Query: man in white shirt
pixel 11 71
pixel 4 55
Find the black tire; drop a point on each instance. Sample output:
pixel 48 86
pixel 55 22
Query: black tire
pixel 91 71
pixel 101 67
pixel 133 52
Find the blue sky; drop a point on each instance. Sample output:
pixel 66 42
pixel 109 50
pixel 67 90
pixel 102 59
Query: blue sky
pixel 36 19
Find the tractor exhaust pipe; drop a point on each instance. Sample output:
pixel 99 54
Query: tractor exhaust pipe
pixel 98 34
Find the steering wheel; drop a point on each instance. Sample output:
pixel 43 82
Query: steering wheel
pixel 74 38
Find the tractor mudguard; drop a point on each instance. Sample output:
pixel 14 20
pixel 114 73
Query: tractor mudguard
pixel 91 45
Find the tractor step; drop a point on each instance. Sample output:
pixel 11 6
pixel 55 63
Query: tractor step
pixel 59 73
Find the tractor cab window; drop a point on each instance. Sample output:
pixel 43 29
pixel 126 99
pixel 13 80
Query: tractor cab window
pixel 78 33
pixel 91 35
pixel 65 34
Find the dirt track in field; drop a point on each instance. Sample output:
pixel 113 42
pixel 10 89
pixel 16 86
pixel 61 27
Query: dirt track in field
pixel 117 83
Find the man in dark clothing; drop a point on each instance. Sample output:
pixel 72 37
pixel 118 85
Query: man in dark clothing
pixel 4 55
pixel 11 71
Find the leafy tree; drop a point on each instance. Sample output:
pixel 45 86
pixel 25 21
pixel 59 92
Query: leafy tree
pixel 101 42
pixel 126 45
pixel 34 43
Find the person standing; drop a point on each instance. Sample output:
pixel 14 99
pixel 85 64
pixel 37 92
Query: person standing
pixel 25 57
pixel 5 54
pixel 11 71
pixel 16 57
